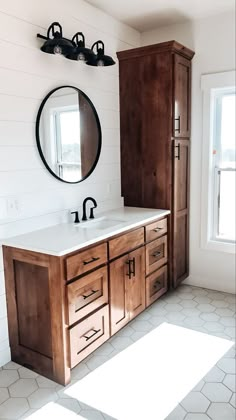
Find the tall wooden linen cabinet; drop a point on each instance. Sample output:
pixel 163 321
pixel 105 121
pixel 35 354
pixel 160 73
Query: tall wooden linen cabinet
pixel 155 106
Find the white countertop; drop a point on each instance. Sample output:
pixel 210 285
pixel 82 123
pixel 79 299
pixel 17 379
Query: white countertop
pixel 68 237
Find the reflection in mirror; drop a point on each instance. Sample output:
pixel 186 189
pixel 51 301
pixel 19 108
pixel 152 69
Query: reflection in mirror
pixel 68 134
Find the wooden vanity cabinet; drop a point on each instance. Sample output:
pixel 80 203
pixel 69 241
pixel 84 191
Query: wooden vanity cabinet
pixel 155 107
pixel 61 308
pixel 127 288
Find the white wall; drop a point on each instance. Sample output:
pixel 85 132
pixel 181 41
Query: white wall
pixel 213 40
pixel 30 198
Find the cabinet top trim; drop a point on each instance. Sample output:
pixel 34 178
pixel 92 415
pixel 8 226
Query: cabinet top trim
pixel 170 46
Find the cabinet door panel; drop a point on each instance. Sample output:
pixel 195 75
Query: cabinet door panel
pixel 182 103
pixel 119 315
pixel 181 212
pixel 136 283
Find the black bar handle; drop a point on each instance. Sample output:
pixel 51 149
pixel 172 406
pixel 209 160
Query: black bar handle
pixel 156 284
pixel 157 254
pixel 91 294
pixel 133 266
pixel 93 259
pixel 178 154
pixel 129 269
pixel 157 229
pixel 95 332
pixel 178 129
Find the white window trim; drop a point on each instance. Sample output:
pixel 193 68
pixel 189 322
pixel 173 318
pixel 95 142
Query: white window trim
pixel 209 82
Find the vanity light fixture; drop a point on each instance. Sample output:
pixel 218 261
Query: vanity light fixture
pixel 74 49
pixel 100 59
pixel 55 42
pixel 80 52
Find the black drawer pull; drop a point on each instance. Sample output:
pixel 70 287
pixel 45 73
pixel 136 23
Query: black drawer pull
pixel 157 254
pixel 178 155
pixel 178 129
pixel 131 270
pixel 158 283
pixel 93 259
pixel 92 335
pixel 157 229
pixel 90 294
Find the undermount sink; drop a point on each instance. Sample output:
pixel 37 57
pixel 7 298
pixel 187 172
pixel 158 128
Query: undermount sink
pixel 101 223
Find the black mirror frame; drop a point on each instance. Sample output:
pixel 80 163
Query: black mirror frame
pixel 38 135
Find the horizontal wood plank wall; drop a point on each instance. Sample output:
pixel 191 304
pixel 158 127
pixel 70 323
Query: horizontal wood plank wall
pixel 26 76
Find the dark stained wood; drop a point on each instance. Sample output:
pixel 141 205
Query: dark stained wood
pixel 32 298
pixel 84 261
pixel 155 90
pixel 145 131
pixel 58 309
pixel 181 123
pixel 127 292
pixel 88 335
pixel 43 309
pixel 169 46
pixel 156 254
pixel 156 285
pixel 126 242
pixel 87 294
pixel 155 230
pixel 181 211
pixel 136 284
pixel 119 309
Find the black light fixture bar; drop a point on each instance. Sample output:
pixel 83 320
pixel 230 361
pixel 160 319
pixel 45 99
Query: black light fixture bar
pixel 74 49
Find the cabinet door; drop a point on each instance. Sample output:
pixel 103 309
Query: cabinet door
pixel 136 282
pixel 182 99
pixel 119 315
pixel 181 212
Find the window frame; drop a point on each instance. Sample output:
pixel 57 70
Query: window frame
pixel 211 84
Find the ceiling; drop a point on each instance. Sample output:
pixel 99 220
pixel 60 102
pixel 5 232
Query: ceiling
pixel 145 15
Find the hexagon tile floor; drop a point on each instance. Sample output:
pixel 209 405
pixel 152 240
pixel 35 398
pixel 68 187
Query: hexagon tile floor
pixel 26 395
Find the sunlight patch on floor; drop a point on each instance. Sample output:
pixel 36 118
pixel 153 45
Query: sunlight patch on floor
pixel 148 379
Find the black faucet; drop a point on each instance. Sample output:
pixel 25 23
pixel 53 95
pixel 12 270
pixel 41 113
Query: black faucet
pixel 91 216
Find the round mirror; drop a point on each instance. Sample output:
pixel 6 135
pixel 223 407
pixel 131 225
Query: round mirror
pixel 68 134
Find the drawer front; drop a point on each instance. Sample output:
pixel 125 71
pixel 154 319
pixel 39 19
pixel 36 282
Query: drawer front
pixel 126 242
pixel 156 285
pixel 87 294
pixel 89 334
pixel 86 260
pixel 155 230
pixel 156 254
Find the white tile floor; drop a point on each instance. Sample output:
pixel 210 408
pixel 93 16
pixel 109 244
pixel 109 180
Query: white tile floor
pixel 26 395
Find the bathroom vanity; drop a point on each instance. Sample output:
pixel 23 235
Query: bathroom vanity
pixel 72 286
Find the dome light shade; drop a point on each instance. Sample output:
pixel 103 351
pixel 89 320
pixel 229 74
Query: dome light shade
pixel 100 59
pixel 80 52
pixel 55 43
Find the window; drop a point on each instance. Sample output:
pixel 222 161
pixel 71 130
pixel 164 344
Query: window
pixel 68 153
pixel 218 162
pixel 223 221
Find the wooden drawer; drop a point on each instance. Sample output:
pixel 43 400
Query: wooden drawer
pixel 156 229
pixel 126 242
pixel 87 294
pixel 156 254
pixel 156 285
pixel 89 334
pixel 85 261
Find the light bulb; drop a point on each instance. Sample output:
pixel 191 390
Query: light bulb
pixel 57 50
pixel 100 63
pixel 81 57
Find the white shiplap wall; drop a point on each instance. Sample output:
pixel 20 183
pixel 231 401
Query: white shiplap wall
pixel 26 76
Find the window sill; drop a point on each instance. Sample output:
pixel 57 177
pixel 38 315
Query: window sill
pixel 219 246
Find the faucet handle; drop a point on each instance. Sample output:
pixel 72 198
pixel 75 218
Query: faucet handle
pixel 76 216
